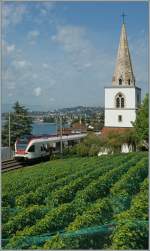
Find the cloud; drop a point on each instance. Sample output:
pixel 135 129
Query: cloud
pixel 21 63
pixel 76 44
pixel 37 91
pixel 139 53
pixel 13 14
pixel 52 99
pixel 79 49
pixel 45 12
pixel 7 48
pixel 10 48
pixel 87 65
pixel 10 94
pixel 71 69
pixel 12 85
pixel 32 36
pixel 71 37
pixel 47 6
pixel 45 66
pixel 34 76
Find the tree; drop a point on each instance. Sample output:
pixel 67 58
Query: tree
pixel 114 142
pixel 141 124
pixel 20 124
pixel 49 119
pixel 90 146
pixel 129 138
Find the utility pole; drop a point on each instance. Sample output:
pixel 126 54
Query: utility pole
pixel 9 139
pixel 56 124
pixel 61 143
pixel 9 136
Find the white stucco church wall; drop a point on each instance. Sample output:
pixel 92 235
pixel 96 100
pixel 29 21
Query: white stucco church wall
pixel 112 117
pixel 131 97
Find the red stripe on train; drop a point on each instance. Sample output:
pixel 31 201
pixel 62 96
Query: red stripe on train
pixel 20 151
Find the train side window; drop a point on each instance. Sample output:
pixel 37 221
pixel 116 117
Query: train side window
pixel 43 148
pixel 46 148
pixel 31 149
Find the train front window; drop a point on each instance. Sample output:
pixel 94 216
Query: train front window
pixel 21 146
pixel 31 149
pixel 23 141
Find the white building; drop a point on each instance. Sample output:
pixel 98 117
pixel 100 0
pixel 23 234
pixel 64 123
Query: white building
pixel 123 98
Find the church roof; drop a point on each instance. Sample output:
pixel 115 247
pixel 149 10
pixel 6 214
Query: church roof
pixel 107 130
pixel 123 74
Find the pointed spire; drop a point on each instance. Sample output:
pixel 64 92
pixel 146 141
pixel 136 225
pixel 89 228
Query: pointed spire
pixel 123 74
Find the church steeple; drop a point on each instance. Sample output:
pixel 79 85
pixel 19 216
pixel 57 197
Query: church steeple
pixel 123 98
pixel 123 75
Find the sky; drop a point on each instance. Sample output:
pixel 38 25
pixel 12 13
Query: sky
pixel 62 54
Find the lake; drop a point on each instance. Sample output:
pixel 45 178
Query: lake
pixel 44 128
pixel 40 128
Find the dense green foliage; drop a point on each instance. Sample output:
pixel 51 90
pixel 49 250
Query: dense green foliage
pixel 141 123
pixel 66 197
pixel 90 146
pixel 132 230
pixel 20 124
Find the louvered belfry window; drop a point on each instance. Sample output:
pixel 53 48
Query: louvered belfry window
pixel 120 101
pixel 120 81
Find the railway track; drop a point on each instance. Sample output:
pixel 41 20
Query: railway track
pixel 11 164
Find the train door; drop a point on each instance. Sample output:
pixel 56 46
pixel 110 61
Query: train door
pixel 44 150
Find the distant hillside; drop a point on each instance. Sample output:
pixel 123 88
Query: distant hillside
pixel 82 109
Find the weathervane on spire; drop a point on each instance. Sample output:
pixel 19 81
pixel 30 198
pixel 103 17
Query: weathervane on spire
pixel 123 17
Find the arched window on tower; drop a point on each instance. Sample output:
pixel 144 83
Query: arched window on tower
pixel 120 81
pixel 128 81
pixel 120 101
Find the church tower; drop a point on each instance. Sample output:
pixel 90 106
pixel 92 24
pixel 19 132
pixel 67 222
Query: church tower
pixel 123 98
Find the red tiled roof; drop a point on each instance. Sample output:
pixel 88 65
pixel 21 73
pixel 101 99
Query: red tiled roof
pixel 107 130
pixel 77 125
pixel 65 131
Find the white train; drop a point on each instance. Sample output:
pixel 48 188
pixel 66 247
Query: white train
pixel 33 147
pixel 30 148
